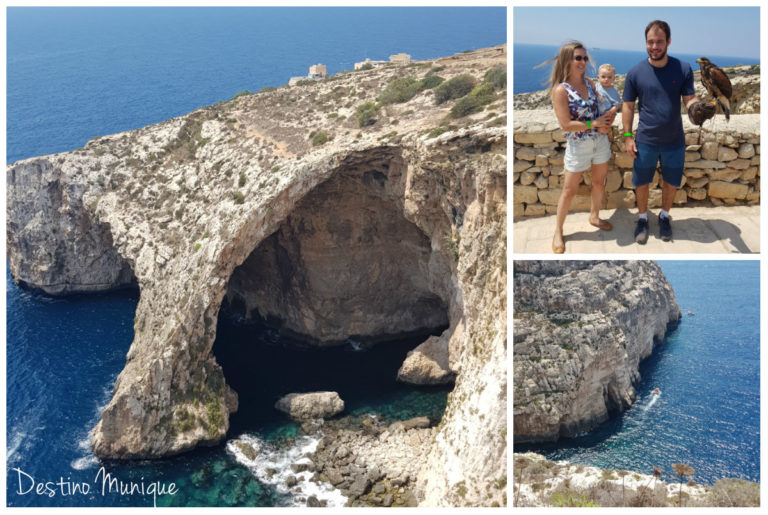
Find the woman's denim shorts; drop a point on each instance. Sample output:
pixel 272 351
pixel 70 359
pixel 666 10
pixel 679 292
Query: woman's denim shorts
pixel 581 154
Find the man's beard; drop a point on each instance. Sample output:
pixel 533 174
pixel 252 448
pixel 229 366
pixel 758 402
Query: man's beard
pixel 661 56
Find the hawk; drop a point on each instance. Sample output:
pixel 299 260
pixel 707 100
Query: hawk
pixel 717 84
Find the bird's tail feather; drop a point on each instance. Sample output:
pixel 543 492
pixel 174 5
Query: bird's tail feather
pixel 725 106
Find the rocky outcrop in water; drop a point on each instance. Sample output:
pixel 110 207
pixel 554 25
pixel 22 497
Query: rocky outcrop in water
pixel 307 406
pixel 581 330
pixel 280 203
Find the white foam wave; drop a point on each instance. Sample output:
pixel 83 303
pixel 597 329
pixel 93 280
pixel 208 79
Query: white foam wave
pixel 272 465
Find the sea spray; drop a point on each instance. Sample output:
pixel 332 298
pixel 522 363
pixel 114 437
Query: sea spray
pixel 271 464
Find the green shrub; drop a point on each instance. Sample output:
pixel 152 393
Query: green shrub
pixel 734 492
pixel 365 114
pixel 560 501
pixel 496 76
pixel 242 93
pixel 430 81
pixel 399 90
pixel 267 88
pixel 366 66
pixel 474 101
pixel 238 197
pixel 454 88
pixel 241 179
pixel 320 138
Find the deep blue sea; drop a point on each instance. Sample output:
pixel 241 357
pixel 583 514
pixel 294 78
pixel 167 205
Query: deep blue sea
pixel 526 57
pixel 708 371
pixel 78 73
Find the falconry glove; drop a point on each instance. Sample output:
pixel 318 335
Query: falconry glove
pixel 699 112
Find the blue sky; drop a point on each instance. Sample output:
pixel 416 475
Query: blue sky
pixel 724 31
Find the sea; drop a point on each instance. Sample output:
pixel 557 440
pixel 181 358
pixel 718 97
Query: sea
pixel 708 372
pixel 527 77
pixel 77 73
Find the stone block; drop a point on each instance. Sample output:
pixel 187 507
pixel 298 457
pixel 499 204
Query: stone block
pixel 753 197
pixel 749 174
pixel 624 199
pixel 527 177
pixel 627 183
pixel 549 197
pixel 581 203
pixel 518 211
pixel 654 198
pixel 746 150
pixel 541 182
pixel 755 161
pixel 705 163
pixel 557 170
pixel 526 153
pixel 535 210
pixel 730 201
pixel 691 138
pixel 542 160
pixel 521 166
pixel 613 181
pixel 695 174
pixel 693 148
pixel 680 197
pixel 533 137
pixel 558 136
pixel 623 160
pixel 557 159
pixel 727 175
pixel 524 194
pixel 554 181
pixel 723 190
pixel 697 183
pixel 551 210
pixel 740 164
pixel 697 193
pixel 716 201
pixel 515 177
pixel 692 156
pixel 709 150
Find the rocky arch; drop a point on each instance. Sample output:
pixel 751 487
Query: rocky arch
pixel 346 263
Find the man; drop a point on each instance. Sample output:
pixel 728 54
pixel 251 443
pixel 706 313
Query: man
pixel 658 83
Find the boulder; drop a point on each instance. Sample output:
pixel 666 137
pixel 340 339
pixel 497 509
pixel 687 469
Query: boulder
pixel 305 406
pixel 427 363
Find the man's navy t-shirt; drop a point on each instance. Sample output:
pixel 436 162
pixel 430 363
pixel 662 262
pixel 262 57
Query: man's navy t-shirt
pixel 658 91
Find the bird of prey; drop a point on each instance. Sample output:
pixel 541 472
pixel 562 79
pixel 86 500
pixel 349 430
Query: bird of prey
pixel 717 84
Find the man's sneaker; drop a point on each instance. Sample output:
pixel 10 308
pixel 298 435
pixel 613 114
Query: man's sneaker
pixel 665 229
pixel 641 231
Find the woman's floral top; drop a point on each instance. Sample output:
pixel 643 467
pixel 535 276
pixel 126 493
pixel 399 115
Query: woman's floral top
pixel 581 110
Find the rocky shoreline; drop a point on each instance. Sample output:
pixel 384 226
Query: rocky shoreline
pixel 365 460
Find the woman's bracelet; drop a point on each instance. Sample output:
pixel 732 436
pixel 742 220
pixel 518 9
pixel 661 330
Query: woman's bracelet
pixel 589 125
pixel 627 134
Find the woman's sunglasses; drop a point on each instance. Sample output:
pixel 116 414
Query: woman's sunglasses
pixel 581 58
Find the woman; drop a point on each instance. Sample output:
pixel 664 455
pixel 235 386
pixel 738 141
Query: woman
pixel 573 96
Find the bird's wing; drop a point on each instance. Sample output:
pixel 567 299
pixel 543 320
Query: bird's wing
pixel 721 80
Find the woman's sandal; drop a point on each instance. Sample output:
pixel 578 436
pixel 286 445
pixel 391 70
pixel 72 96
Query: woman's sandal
pixel 558 249
pixel 604 225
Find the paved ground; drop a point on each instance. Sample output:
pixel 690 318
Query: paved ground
pixel 695 230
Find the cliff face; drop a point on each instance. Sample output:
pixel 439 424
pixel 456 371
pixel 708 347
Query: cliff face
pixel 581 329
pixel 380 230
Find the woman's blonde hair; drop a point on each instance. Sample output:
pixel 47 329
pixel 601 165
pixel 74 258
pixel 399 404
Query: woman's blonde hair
pixel 561 63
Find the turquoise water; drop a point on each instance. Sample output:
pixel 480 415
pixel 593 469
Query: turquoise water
pixel 708 371
pixel 63 356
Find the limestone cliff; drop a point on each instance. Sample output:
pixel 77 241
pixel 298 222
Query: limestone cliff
pixel 581 329
pixel 280 204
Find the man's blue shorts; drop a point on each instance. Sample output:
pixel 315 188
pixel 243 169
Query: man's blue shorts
pixel 672 163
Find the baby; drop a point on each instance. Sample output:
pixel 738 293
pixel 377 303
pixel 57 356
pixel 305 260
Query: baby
pixel 608 98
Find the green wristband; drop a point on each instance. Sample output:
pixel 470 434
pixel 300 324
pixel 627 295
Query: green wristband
pixel 589 125
pixel 627 134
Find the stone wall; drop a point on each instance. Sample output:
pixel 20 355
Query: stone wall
pixel 723 169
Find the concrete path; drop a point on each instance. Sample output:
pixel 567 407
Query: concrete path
pixel 695 230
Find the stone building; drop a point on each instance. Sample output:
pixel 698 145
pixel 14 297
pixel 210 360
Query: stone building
pixel 400 58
